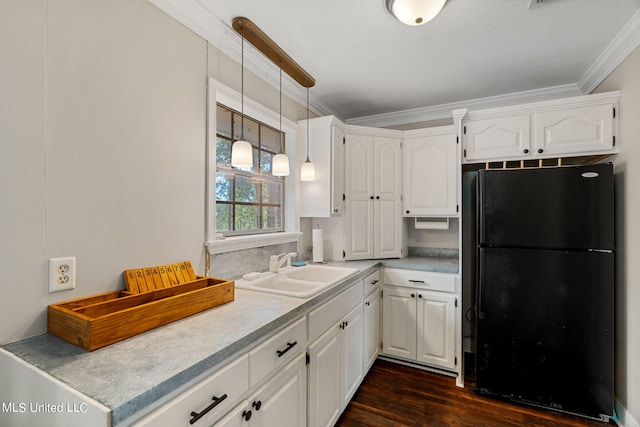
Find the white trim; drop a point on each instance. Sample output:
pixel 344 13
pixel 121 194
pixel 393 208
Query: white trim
pixel 624 418
pixel 443 111
pixel 238 243
pixel 625 42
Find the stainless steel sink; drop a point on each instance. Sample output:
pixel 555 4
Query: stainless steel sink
pixel 299 282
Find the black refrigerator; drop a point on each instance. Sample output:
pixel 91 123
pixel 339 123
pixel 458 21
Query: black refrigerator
pixel 545 287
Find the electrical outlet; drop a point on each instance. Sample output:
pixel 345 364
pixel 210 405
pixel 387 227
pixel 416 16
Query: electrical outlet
pixel 62 274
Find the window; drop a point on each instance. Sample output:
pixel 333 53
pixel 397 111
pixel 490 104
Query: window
pixel 251 200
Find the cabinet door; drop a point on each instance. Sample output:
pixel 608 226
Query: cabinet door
pixel 282 401
pixel 436 329
pixel 399 322
pixel 371 328
pixel 352 353
pixel 500 138
pixel 325 379
pixel 430 175
pixel 337 170
pixel 574 131
pixel 359 197
pixel 387 189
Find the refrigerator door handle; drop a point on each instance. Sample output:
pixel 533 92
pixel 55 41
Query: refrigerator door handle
pixel 480 282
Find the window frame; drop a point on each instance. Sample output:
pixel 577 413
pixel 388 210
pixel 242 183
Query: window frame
pixel 220 93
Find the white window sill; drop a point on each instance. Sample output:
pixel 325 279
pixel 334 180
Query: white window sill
pixel 238 243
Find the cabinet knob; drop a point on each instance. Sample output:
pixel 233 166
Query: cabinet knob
pixel 246 415
pixel 413 295
pixel 378 197
pixel 373 282
pixel 408 211
pixel 335 210
pixel 540 150
pixel 420 296
pixel 526 151
pixel 257 405
pixel 367 303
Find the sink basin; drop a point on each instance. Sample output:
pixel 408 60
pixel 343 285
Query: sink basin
pixel 299 282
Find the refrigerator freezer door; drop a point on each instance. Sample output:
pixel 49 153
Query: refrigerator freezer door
pixel 559 208
pixel 545 328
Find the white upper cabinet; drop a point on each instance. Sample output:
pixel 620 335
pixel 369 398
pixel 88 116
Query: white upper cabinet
pixel 373 188
pixel 578 126
pixel 499 138
pixel 324 196
pixel 430 172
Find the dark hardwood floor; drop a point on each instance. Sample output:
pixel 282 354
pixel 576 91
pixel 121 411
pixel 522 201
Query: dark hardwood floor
pixel 397 395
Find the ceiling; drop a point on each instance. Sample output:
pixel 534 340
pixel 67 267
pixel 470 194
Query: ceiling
pixel 371 69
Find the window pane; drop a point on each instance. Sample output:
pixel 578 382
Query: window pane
pixel 270 139
pixel 247 218
pixel 223 152
pixel 271 217
pixel 224 186
pixel 224 220
pixel 272 192
pixel 246 189
pixel 265 162
pixel 251 130
pixel 223 121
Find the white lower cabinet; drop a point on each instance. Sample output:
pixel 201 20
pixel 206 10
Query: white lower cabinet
pixel 371 315
pixel 281 402
pixel 419 321
pixel 336 360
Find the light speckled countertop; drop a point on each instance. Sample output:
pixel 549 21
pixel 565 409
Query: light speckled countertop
pixel 132 374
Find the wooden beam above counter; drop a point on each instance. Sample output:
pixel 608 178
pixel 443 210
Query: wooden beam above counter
pixel 254 35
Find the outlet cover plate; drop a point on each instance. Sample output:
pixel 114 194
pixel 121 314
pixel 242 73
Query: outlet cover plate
pixel 62 274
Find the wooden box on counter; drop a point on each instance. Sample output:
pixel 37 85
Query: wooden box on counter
pixel 97 321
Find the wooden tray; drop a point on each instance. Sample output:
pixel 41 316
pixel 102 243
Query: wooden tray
pixel 97 321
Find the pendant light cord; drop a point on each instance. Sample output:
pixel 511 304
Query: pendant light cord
pixel 242 88
pixel 281 139
pixel 307 126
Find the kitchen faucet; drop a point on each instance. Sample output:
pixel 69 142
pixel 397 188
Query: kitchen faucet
pixel 275 263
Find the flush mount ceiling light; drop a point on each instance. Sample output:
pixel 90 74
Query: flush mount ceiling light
pixel 415 12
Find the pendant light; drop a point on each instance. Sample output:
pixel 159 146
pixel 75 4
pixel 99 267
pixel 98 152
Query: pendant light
pixel 280 162
pixel 307 171
pixel 241 150
pixel 415 12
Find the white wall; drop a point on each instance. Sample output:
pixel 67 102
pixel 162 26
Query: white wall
pixel 102 122
pixel 627 170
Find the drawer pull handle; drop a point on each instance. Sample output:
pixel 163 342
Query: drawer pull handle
pixel 216 401
pixel 290 345
pixel 373 282
pixel 417 281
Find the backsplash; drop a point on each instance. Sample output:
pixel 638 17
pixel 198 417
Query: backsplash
pixel 233 265
pixel 433 252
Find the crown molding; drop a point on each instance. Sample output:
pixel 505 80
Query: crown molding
pixel 625 42
pixel 221 35
pixel 444 111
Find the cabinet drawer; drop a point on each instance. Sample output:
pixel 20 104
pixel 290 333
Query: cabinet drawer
pixel 422 279
pixel 277 351
pixel 371 282
pixel 329 313
pixel 228 384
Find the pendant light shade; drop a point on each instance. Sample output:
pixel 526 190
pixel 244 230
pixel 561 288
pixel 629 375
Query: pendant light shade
pixel 241 154
pixel 415 12
pixel 280 162
pixel 307 170
pixel 280 165
pixel 241 150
